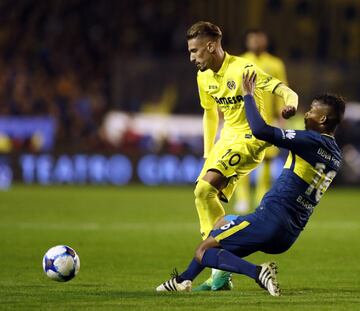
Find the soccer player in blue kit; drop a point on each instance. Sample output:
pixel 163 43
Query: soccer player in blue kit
pixel 313 161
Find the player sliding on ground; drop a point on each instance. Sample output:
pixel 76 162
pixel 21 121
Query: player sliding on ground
pixel 313 162
pixel 237 152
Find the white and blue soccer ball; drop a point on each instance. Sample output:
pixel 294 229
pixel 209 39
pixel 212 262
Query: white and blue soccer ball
pixel 61 263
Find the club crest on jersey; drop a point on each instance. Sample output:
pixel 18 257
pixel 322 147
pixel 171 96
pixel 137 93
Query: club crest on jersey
pixel 290 134
pixel 231 85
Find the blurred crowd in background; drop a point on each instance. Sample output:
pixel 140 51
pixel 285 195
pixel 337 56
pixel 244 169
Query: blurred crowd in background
pixel 56 57
pixel 77 60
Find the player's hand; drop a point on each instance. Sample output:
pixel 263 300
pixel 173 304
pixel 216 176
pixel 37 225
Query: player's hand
pixel 249 83
pixel 288 112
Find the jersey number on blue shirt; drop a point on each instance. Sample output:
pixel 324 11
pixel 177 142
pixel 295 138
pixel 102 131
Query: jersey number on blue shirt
pixel 320 181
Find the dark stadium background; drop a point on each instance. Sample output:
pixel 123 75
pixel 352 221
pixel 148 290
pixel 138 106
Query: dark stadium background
pixel 101 141
pixel 66 66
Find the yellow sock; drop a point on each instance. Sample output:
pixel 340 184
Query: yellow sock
pixel 208 206
pixel 264 181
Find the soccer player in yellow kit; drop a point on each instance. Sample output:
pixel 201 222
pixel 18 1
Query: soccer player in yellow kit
pixel 256 42
pixel 237 151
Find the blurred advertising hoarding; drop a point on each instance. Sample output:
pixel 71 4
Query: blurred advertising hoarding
pixel 34 133
pixel 149 162
pixel 99 169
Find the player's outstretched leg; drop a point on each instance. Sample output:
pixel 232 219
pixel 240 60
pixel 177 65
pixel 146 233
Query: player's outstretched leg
pixel 264 275
pixel 266 278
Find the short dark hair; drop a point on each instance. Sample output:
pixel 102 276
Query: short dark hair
pixel 337 105
pixel 204 29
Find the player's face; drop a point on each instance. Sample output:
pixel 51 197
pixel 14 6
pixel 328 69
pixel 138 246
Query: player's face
pixel 200 50
pixel 316 116
pixel 256 42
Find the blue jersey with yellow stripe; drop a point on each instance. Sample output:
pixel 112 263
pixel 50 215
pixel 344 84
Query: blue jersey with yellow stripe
pixel 312 164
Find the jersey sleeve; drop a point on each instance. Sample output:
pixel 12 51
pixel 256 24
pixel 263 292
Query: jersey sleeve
pixel 281 75
pixel 263 80
pixel 294 140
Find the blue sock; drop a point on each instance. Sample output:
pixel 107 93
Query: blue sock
pixel 224 260
pixel 193 270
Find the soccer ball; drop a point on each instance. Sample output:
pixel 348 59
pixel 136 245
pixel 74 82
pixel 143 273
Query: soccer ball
pixel 61 263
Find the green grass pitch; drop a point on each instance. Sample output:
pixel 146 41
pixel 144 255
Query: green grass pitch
pixel 129 239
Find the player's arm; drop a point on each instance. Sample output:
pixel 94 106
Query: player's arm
pixel 273 85
pixel 290 139
pixel 260 129
pixel 210 126
pixel 290 98
pixel 279 73
pixel 210 118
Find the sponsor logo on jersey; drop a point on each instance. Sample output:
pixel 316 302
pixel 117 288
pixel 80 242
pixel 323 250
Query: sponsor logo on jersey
pixel 213 87
pixel 290 134
pixel 324 154
pixel 228 100
pixel 305 203
pixel 268 79
pixel 223 164
pixel 231 85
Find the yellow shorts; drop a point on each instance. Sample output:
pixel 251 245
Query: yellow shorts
pixel 234 158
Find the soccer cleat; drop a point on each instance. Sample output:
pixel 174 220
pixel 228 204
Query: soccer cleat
pixel 173 286
pixel 206 286
pixel 219 280
pixel 267 278
pixel 222 281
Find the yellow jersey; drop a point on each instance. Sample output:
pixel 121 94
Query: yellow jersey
pixel 275 67
pixel 223 90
